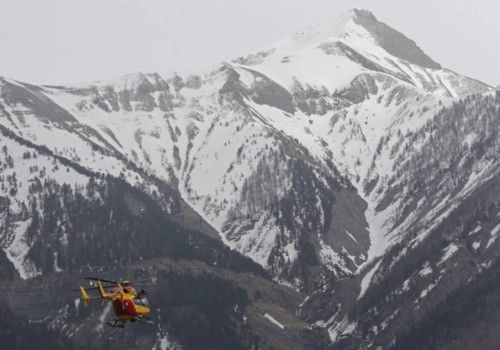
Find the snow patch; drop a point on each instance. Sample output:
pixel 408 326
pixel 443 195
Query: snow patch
pixel 274 321
pixel 56 265
pixel 351 236
pixel 476 230
pixel 406 285
pixel 495 230
pixel 426 270
pixel 494 235
pixel 77 303
pixel 343 327
pixel 365 282
pixel 330 258
pixel 165 343
pixel 18 249
pixel 448 252
pixel 427 290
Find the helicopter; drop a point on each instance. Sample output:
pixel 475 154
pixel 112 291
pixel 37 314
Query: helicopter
pixel 127 304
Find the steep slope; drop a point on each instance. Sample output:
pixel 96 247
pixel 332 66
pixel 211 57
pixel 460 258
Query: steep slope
pixel 450 186
pixel 178 145
pixel 104 226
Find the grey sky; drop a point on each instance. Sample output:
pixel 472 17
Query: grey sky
pixel 61 41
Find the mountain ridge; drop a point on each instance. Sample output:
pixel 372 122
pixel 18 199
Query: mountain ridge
pixel 147 92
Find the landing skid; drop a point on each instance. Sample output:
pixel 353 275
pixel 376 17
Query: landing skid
pixel 121 323
pixel 144 320
pixel 116 324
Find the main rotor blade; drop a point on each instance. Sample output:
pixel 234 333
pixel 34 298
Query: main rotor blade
pixel 100 279
pixel 89 288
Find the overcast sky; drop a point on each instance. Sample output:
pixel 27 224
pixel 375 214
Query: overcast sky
pixel 63 41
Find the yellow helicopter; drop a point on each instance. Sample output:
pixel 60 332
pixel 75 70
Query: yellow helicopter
pixel 128 305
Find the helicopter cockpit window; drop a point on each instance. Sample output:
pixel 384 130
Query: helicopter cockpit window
pixel 141 301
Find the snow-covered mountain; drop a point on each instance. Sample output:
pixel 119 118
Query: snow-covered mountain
pixel 329 158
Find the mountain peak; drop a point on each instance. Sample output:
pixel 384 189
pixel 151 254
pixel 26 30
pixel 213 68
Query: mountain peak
pixel 355 24
pixel 360 12
pixel 392 41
